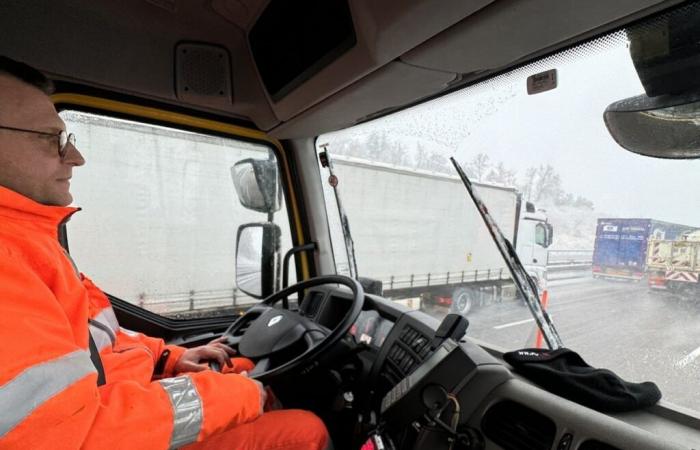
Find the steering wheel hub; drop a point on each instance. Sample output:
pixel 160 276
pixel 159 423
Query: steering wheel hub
pixel 273 331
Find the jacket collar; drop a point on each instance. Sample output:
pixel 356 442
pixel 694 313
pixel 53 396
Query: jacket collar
pixel 16 206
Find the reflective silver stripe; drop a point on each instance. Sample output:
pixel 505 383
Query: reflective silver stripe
pixel 107 318
pixel 104 328
pixel 187 410
pixel 128 331
pixel 99 325
pixel 102 338
pixel 20 396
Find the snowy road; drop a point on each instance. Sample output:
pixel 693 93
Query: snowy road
pixel 617 325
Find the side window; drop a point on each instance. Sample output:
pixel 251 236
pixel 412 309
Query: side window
pixel 160 215
pixel 541 235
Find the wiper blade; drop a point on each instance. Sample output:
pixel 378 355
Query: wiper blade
pixel 523 281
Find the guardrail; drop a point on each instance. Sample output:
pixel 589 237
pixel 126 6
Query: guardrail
pixel 180 302
pixel 433 279
pixel 564 264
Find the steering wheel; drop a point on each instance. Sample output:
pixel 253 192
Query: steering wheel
pixel 264 331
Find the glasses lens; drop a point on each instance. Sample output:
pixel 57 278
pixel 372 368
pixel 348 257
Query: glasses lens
pixel 63 140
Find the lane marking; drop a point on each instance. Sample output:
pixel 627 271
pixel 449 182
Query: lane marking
pixel 512 324
pixel 688 358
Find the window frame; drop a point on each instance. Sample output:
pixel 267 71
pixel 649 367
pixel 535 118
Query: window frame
pixel 191 121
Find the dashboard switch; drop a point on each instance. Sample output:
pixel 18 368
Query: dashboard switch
pixel 565 442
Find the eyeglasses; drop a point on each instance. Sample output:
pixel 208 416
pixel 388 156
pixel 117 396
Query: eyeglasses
pixel 63 138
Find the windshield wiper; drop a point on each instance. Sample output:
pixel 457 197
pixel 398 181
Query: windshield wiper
pixel 326 161
pixel 524 282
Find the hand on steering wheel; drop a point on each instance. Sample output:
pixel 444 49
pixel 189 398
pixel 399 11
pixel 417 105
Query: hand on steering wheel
pixel 195 359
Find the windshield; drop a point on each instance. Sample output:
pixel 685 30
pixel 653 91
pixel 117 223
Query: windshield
pixel 606 234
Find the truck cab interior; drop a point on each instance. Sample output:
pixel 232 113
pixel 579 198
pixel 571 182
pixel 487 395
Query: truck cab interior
pixel 266 79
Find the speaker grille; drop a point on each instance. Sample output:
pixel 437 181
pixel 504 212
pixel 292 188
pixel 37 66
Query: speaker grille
pixel 203 74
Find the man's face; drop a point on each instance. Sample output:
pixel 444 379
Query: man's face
pixel 29 163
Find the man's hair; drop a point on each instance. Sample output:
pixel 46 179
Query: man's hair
pixel 26 73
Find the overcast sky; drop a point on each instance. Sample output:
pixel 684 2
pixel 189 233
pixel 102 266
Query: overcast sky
pixel 563 127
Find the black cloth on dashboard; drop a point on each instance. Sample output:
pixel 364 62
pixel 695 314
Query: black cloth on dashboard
pixel 565 373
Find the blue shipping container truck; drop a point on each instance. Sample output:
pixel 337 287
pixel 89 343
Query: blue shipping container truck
pixel 621 245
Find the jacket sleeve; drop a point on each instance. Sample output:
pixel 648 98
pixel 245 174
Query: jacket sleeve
pixel 164 356
pixel 48 389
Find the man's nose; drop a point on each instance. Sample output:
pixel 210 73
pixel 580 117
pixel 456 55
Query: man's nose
pixel 73 156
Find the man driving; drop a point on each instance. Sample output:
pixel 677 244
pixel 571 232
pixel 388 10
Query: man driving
pixel 70 376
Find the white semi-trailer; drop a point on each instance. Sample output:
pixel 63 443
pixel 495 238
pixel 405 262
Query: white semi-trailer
pixel 418 233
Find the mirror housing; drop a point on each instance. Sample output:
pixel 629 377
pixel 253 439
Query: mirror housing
pixel 662 123
pixel 257 184
pixel 662 127
pixel 257 248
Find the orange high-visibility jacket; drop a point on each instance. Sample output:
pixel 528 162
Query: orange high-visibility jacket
pixel 49 396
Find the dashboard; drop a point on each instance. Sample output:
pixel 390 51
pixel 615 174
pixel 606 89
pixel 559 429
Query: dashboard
pixel 497 408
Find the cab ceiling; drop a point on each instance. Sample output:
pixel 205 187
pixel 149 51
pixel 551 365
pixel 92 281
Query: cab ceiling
pixel 406 50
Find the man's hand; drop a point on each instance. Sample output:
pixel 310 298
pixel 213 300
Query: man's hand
pixel 196 359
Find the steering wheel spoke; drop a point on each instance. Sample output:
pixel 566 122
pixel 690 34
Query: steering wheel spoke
pixel 315 335
pixel 233 341
pixel 237 329
pixel 261 366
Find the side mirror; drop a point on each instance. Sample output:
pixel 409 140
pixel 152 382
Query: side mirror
pixel 257 184
pixel 550 234
pixel 663 127
pixel 257 246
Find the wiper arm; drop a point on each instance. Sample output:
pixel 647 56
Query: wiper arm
pixel 523 281
pixel 344 222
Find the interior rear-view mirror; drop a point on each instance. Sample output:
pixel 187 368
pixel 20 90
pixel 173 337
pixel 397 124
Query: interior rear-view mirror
pixel 664 121
pixel 662 127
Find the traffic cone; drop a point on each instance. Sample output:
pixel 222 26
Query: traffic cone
pixel 543 302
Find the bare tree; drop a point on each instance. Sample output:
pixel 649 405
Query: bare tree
pixel 582 202
pixel 501 175
pixel 547 184
pixel 528 185
pixel 479 166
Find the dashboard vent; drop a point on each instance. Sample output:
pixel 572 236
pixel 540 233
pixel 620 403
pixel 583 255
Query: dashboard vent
pixel 416 341
pixel 409 351
pixel 405 354
pixel 514 427
pixel 596 445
